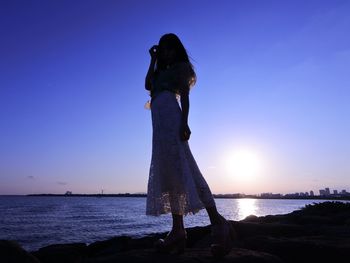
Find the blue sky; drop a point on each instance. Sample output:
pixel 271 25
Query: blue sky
pixel 273 81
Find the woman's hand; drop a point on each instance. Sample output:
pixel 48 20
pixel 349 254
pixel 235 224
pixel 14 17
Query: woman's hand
pixel 153 52
pixel 185 131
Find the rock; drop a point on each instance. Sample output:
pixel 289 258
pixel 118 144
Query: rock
pixel 67 253
pixel 191 255
pixel 302 249
pixel 251 218
pixel 248 229
pixel 12 252
pixel 112 245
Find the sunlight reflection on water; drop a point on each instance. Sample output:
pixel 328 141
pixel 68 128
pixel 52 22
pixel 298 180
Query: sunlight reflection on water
pixel 246 207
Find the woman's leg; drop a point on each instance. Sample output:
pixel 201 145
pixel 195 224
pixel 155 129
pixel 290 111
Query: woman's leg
pixel 222 232
pixel 176 238
pixel 214 216
pixel 178 223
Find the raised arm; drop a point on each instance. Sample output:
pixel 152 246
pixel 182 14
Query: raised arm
pixel 150 72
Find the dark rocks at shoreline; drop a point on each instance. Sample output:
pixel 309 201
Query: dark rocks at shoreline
pixel 12 252
pixel 316 233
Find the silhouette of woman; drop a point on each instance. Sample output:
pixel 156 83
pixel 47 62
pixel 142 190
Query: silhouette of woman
pixel 175 182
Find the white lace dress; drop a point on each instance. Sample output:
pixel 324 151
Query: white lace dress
pixel 175 182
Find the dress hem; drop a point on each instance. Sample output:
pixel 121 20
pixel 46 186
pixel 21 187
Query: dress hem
pixel 192 212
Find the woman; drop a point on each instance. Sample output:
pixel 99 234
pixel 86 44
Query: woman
pixel 175 182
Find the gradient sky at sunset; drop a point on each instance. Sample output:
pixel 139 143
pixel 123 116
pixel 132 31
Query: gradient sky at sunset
pixel 273 81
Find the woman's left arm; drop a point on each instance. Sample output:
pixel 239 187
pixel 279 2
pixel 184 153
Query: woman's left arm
pixel 185 131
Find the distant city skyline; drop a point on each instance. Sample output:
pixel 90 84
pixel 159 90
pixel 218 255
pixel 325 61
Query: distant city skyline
pixel 269 112
pixel 321 192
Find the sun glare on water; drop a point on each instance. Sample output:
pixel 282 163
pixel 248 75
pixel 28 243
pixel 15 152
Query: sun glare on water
pixel 243 164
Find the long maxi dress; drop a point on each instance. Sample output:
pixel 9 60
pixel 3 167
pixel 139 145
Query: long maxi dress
pixel 175 183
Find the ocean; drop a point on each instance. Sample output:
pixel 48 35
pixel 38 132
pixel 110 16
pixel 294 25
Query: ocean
pixel 37 221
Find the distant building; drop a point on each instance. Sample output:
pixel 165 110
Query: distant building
pixel 68 193
pixel 312 193
pixel 270 195
pixel 235 195
pixel 327 191
pixel 343 192
pixel 335 192
pixel 265 195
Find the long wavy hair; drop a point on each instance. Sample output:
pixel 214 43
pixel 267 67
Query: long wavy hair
pixel 171 41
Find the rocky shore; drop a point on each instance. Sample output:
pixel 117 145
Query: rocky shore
pixel 316 233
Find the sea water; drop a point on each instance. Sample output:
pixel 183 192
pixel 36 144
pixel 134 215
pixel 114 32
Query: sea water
pixel 37 221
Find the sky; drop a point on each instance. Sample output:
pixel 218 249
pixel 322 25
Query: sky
pixel 269 113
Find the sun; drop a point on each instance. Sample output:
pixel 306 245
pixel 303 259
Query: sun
pixel 243 164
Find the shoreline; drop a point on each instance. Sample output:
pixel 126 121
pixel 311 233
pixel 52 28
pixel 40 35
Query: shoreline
pixel 316 233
